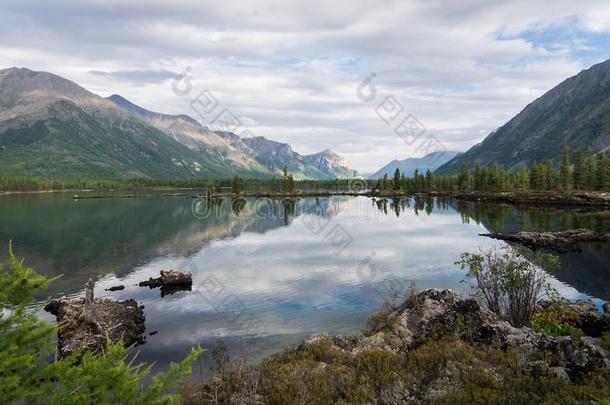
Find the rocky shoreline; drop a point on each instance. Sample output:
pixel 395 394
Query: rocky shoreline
pixel 577 198
pixel 436 347
pixel 440 314
pixel 561 242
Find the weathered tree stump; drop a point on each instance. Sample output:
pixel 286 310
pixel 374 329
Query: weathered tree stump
pixel 86 324
pixel 87 316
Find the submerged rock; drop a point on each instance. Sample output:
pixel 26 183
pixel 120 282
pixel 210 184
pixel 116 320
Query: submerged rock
pixel 116 288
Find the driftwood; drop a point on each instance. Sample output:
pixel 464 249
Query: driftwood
pixel 559 241
pixel 168 278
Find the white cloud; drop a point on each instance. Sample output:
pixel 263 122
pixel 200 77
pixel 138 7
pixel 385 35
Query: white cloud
pixel 291 70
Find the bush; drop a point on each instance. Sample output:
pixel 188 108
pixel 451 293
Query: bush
pixel 511 281
pixel 555 321
pixel 27 375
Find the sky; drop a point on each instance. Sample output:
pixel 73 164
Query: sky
pixel 343 75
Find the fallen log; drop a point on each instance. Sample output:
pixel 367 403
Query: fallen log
pixel 562 242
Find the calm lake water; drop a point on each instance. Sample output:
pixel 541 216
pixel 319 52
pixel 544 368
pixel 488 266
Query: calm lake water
pixel 268 273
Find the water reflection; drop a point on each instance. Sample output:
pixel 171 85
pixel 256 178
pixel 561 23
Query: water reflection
pixel 272 271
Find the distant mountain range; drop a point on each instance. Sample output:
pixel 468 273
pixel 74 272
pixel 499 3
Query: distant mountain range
pixel 52 127
pixel 408 166
pixel 575 113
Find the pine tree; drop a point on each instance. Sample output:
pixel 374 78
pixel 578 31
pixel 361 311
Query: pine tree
pixel 603 172
pixel 464 177
pixel 591 170
pixel 524 181
pixel 564 173
pixel 291 186
pixel 478 177
pixel 580 174
pixel 429 180
pixel 237 184
pixel 396 179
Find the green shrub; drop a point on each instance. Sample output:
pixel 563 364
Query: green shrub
pixel 555 321
pixel 511 281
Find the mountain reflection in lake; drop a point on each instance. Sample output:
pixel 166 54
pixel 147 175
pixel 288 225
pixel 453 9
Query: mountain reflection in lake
pixel 268 273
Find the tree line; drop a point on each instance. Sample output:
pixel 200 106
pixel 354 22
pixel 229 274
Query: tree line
pixel 588 171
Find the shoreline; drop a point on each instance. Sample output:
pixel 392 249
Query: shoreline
pixel 548 198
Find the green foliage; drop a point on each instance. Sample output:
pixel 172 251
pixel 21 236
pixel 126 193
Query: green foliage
pixel 555 321
pixel 511 281
pixel 237 185
pixel 437 372
pixel 589 172
pixel 564 172
pixel 28 372
pixel 396 180
pixel 287 181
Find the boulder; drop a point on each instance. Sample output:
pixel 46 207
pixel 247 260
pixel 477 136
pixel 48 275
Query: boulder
pixel 169 278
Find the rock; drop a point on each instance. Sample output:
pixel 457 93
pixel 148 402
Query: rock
pixel 116 288
pixel 52 307
pixel 559 241
pixel 561 373
pixel 586 317
pixel 116 319
pixel 443 313
pixel 606 307
pixel 594 323
pixel 169 278
pixel 436 314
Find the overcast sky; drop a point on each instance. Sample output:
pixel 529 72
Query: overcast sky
pixel 290 70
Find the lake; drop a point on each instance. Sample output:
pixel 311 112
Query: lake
pixel 266 273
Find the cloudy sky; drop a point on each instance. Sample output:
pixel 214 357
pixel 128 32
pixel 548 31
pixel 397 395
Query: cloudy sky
pixel 291 71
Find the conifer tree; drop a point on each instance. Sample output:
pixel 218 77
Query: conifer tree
pixel 564 173
pixel 396 179
pixel 579 173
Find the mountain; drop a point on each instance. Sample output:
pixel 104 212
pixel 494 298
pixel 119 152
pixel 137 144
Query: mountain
pixel 276 155
pixel 331 163
pixel 52 127
pixel 259 154
pixel 576 113
pixel 407 166
pixel 192 134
